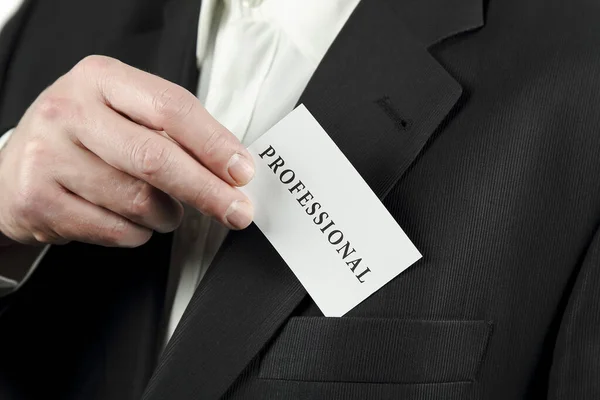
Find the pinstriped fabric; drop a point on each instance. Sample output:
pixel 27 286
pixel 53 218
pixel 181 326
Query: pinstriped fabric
pixel 578 335
pixel 250 387
pixel 376 350
pixel 285 390
pixel 503 201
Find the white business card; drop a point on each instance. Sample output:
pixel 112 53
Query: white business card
pixel 322 217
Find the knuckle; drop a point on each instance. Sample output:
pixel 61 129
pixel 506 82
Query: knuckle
pixel 141 203
pixel 51 107
pixel 115 233
pixel 205 197
pixel 124 234
pixel 96 70
pixel 22 209
pixel 36 162
pixel 29 201
pixel 94 64
pixel 151 158
pixel 173 220
pixel 217 139
pixel 44 237
pixel 179 215
pixel 144 237
pixel 172 103
pixel 34 152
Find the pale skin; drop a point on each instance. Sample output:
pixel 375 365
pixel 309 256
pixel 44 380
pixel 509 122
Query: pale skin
pixel 108 154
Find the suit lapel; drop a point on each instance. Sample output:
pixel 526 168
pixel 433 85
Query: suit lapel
pixel 380 95
pixel 432 21
pixel 381 101
pixel 175 54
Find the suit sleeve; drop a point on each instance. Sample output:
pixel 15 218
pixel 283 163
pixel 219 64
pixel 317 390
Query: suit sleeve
pixel 17 262
pixel 575 371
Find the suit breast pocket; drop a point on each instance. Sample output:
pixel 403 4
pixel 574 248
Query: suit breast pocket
pixel 376 358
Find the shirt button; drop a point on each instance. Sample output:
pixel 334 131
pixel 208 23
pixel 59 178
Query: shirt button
pixel 251 3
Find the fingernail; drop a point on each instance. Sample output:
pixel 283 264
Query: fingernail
pixel 239 214
pixel 240 169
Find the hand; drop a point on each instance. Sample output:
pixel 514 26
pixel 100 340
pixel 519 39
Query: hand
pixel 107 153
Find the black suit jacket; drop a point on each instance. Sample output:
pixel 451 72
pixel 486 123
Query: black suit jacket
pixel 477 124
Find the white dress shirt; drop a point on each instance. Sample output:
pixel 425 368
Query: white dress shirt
pixel 256 58
pixel 7 10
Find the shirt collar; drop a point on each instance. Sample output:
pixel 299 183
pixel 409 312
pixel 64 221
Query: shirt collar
pixel 311 24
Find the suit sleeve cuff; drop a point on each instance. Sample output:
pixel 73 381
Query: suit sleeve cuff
pixel 10 285
pixel 4 138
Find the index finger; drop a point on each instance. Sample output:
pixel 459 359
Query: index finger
pixel 164 106
pixel 148 156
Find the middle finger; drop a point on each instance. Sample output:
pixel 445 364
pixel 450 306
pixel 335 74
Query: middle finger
pixel 89 177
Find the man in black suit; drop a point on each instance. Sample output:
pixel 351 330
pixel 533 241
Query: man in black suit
pixel 476 123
